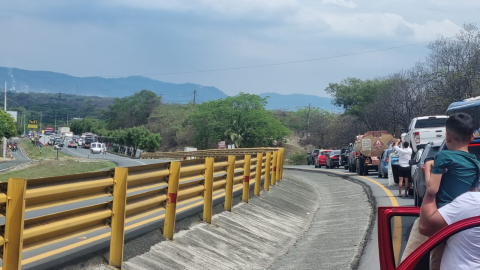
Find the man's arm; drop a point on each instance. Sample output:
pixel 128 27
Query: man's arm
pixel 432 180
pixel 431 221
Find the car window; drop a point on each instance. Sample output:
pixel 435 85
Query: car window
pixel 336 153
pixel 430 122
pixel 72 141
pixel 418 155
pixel 316 151
pixel 474 149
pixel 432 152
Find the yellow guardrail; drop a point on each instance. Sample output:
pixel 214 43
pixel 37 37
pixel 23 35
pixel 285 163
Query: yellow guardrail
pixel 35 215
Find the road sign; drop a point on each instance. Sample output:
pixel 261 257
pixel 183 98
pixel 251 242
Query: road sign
pixel 32 123
pixel 13 114
pixel 378 144
pixel 222 145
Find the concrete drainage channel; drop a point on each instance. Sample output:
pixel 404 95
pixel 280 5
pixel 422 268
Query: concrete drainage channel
pixel 371 200
pixel 289 227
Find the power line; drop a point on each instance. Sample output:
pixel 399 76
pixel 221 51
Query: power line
pixel 282 63
pixel 252 66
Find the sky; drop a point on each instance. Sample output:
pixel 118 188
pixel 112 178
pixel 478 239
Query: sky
pixel 165 39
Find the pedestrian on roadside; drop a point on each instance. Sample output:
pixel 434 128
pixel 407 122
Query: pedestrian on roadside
pixel 405 154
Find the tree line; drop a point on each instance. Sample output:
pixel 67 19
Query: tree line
pixel 449 73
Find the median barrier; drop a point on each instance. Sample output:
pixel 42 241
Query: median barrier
pixel 46 220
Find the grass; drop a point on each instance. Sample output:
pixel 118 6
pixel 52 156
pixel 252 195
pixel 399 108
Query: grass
pixel 37 153
pixel 49 168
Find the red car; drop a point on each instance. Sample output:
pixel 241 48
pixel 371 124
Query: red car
pixel 321 160
pixel 394 224
pixel 72 144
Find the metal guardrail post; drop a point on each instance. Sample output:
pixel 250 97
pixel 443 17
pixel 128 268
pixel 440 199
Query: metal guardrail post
pixel 118 217
pixel 171 209
pixel 266 182
pixel 229 185
pixel 258 174
pixel 14 220
pixel 246 178
pixel 278 163
pixel 208 193
pixel 274 168
pixel 281 164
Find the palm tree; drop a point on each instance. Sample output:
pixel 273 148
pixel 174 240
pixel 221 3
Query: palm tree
pixel 237 132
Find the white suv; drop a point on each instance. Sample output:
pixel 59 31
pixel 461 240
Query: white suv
pixel 425 129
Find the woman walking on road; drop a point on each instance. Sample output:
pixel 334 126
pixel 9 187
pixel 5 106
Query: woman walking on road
pixel 405 154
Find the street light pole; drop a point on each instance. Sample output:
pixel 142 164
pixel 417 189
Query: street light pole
pixel 5 108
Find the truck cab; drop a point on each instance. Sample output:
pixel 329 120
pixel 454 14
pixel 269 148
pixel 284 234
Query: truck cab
pixel 425 129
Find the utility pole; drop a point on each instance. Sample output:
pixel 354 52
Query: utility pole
pixel 67 119
pixel 308 117
pixel 24 116
pixel 55 120
pixel 194 96
pixel 5 108
pixel 41 116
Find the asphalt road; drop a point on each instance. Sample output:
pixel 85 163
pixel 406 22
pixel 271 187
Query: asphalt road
pixel 119 160
pixel 385 196
pixel 19 158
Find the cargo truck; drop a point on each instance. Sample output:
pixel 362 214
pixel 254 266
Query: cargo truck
pixel 62 130
pixel 366 151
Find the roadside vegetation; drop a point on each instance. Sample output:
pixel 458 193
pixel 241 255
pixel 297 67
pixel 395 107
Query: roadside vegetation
pixel 37 153
pixel 64 166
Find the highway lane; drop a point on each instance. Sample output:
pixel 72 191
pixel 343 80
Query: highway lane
pixel 119 160
pixel 385 196
pixel 18 159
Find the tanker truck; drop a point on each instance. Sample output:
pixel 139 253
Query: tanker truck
pixel 366 151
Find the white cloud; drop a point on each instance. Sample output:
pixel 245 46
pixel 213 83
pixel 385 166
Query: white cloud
pixel 343 3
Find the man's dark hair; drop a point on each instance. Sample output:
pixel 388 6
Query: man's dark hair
pixel 406 145
pixel 460 127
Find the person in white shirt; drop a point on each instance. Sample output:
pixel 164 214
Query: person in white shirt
pixel 405 155
pixel 462 251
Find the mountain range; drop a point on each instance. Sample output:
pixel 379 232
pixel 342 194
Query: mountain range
pixel 20 80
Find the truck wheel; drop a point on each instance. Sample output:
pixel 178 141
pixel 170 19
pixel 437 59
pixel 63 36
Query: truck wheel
pixel 359 168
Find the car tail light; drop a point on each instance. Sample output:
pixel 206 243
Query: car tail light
pixel 387 159
pixel 354 154
pixel 417 137
pixel 334 157
pixel 423 169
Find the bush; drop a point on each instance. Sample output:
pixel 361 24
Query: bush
pixel 297 158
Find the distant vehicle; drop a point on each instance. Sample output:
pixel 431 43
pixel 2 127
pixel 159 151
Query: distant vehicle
pixel 321 159
pixel 469 106
pixel 367 148
pixel 384 159
pixel 48 131
pixel 68 135
pixel 333 159
pixel 311 156
pixel 80 142
pixel 96 148
pixel 344 158
pixel 425 129
pixel 59 142
pixel 88 141
pixel 72 144
pixel 62 130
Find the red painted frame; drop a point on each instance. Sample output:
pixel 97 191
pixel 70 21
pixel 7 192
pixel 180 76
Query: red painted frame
pixel 385 213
